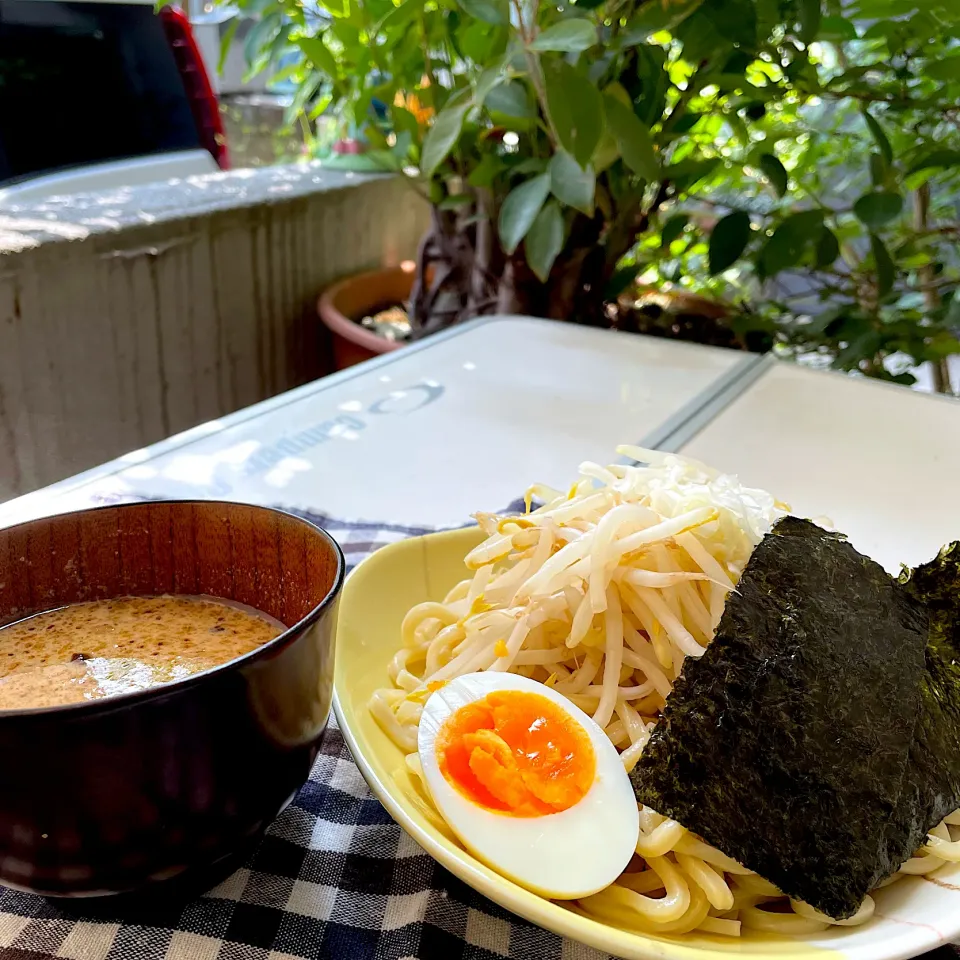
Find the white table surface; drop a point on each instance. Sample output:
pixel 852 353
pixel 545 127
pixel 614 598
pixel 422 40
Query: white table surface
pixel 881 461
pixel 430 434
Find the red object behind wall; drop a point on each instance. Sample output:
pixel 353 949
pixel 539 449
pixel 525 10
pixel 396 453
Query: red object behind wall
pixel 193 72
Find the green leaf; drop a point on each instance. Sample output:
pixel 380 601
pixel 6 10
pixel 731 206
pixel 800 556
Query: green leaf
pixel 686 122
pixel 400 15
pixel 790 241
pixel 441 137
pixel 339 8
pixel 372 161
pixel 690 171
pixel 876 131
pixel 485 171
pixel 947 68
pixel 377 9
pixel 886 271
pixel 226 42
pixel 320 107
pixel 478 41
pixel 700 38
pixel 728 241
pixel 827 322
pixel 496 12
pixel 487 80
pixel 952 319
pixel 837 29
pixel 633 138
pixel 775 172
pixel 654 84
pixel 529 165
pixel 875 210
pixel 607 152
pixel 827 249
pixel 736 64
pixel 768 16
pixel 567 36
pixel 301 98
pixel 520 209
pixel 654 17
pixel 717 24
pixel 937 158
pixel 618 92
pixel 576 109
pixel 456 97
pixel 863 347
pixel 346 33
pixel 262 35
pixel 572 184
pixel 363 111
pixel 511 99
pixel 942 344
pixel 878 170
pixel 456 201
pixel 544 240
pixel 810 20
pixel 289 72
pixel 317 52
pixel 404 121
pixel 673 228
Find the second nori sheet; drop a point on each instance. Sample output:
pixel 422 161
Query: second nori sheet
pixel 933 779
pixel 936 585
pixel 786 744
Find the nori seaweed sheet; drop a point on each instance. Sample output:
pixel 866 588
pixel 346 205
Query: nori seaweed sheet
pixel 933 774
pixel 937 586
pixel 786 744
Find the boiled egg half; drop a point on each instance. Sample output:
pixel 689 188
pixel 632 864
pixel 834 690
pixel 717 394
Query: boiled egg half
pixel 529 783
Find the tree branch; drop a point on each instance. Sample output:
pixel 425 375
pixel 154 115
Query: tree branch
pixel 928 284
pixel 533 65
pixel 427 65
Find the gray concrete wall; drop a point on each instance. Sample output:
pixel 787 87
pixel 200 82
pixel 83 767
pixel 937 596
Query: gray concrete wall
pixel 127 317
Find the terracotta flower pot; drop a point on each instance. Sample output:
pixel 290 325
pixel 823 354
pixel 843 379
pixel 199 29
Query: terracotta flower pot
pixel 343 305
pixel 680 301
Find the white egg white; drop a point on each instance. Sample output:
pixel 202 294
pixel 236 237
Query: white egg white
pixel 563 855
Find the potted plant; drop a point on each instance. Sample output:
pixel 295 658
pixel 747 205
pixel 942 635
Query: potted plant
pixel 361 313
pixel 555 140
pixel 849 252
pixel 547 137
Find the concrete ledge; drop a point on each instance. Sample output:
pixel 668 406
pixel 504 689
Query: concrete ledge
pixel 128 316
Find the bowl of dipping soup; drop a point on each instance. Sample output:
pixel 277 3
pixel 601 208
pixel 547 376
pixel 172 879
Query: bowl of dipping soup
pixel 166 673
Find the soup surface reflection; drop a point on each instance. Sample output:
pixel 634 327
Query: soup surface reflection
pixel 107 647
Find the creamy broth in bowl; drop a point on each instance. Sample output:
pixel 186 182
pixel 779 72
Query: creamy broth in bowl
pixel 103 648
pixel 143 754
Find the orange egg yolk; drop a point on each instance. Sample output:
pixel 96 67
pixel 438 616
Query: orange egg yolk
pixel 517 753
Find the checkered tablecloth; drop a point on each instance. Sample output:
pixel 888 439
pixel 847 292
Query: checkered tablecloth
pixel 334 879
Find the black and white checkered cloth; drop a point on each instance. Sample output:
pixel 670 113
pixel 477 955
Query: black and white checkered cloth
pixel 334 879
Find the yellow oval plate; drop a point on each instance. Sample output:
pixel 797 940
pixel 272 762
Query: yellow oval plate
pixel 914 915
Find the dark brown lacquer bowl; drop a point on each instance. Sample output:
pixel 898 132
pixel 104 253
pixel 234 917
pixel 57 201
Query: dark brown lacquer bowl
pixel 119 794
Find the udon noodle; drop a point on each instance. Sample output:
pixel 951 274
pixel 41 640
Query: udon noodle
pixel 602 593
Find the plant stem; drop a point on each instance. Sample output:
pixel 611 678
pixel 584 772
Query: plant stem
pixel 305 129
pixel 533 64
pixel 931 293
pixel 427 65
pixel 941 377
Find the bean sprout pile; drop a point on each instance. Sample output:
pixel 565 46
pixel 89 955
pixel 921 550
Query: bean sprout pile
pixel 602 593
